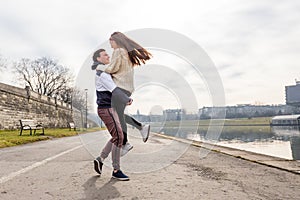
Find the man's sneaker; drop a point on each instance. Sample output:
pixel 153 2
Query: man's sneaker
pixel 98 165
pixel 126 148
pixel 145 132
pixel 120 176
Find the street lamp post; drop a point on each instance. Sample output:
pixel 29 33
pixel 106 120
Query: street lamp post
pixel 86 109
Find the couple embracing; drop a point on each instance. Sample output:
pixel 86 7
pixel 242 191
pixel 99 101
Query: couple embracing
pixel 114 86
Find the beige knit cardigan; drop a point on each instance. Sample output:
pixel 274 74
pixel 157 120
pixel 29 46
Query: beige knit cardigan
pixel 121 69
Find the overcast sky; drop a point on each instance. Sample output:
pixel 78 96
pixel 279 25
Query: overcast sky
pixel 254 45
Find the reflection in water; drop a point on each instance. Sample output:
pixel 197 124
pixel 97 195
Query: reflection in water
pixel 292 133
pixel 277 141
pixel 281 149
pixel 295 145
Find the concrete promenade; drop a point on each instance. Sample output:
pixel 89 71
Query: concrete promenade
pixel 162 168
pixel 270 161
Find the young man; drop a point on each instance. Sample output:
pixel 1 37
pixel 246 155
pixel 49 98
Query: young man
pixel 109 116
pixel 118 97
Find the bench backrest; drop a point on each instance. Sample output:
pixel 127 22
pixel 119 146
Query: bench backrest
pixel 27 122
pixel 72 124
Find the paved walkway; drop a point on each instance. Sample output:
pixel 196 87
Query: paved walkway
pixel 162 168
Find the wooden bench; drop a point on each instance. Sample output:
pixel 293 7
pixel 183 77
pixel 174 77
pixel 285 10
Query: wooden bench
pixel 72 126
pixel 28 124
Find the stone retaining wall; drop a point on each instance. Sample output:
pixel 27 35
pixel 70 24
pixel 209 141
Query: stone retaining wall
pixel 17 103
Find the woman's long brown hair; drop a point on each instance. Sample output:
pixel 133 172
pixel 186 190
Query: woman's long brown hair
pixel 137 54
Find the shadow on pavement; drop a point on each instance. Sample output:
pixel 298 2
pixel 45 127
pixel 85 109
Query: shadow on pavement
pixel 107 191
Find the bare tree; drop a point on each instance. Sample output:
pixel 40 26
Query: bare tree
pixel 45 76
pixel 49 78
pixel 3 63
pixel 78 99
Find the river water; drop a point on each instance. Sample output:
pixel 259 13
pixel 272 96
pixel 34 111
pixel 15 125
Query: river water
pixel 282 142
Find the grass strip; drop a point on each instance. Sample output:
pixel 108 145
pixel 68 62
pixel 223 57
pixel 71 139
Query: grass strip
pixel 10 138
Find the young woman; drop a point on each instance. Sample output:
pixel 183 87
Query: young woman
pixel 126 55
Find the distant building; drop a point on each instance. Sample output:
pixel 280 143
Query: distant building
pixel 292 94
pixel 247 111
pixel 140 117
pixel 173 114
pixel 284 120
